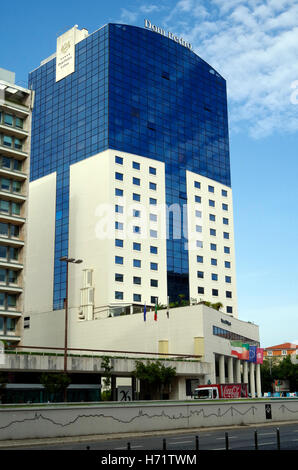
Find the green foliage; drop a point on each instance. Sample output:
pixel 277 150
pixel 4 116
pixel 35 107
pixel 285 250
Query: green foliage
pixel 55 383
pixel 155 377
pixel 217 306
pixel 106 365
pixel 283 370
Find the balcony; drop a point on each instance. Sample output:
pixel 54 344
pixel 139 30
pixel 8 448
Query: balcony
pixel 14 131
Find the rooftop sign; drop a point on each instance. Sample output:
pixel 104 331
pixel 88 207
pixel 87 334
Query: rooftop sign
pixel 168 34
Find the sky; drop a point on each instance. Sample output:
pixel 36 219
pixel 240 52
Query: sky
pixel 254 46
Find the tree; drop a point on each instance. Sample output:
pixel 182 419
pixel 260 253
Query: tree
pixel 155 378
pixel 283 370
pixel 106 365
pixel 55 384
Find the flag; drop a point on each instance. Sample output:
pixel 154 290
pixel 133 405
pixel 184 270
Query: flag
pixel 245 351
pixel 252 354
pixel 236 349
pixel 155 313
pixel 145 312
pixel 260 355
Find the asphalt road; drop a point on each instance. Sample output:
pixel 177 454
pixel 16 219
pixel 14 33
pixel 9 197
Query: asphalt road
pixel 243 438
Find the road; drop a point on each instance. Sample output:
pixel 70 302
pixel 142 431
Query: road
pixel 238 439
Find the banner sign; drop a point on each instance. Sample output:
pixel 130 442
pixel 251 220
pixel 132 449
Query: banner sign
pixel 247 352
pixel 65 55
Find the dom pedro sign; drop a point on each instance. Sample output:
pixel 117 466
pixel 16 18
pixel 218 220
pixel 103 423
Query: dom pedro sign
pixel 168 34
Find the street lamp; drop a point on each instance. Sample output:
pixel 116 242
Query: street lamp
pixel 67 261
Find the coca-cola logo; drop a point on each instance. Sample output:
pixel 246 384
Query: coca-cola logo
pixel 232 391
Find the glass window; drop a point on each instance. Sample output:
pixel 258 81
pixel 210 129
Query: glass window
pixel 213 246
pixel 17 165
pixel 211 189
pixel 226 249
pixel 154 283
pixel 5 184
pixel 211 203
pixel 136 165
pixel 228 294
pixel 214 277
pixel 200 259
pixel 212 217
pixel 137 246
pixel 11 300
pixel 199 243
pixel 3 251
pixel 136 181
pixel 153 217
pixel 6 162
pixel 198 199
pixel 118 295
pixel 153 233
pixel 224 192
pixel 17 144
pixel 154 300
pixel 197 184
pixel 228 279
pixel 119 176
pixel 225 207
pixel 152 186
pixel 198 228
pixel 118 259
pixel 119 160
pixel 13 253
pixel 4 206
pixel 227 264
pixel 118 225
pixel 137 280
pixel 136 197
pixel 154 266
pixel 137 263
pixel 7 141
pixel 136 229
pixel 19 122
pixel 198 214
pixel 119 242
pixel 14 231
pixel 201 290
pixel 118 192
pixel 225 221
pixel 213 232
pixel 137 297
pixel 3 229
pixel 226 235
pixel 214 262
pixel 2 275
pixel 136 213
pixel 12 276
pixel 200 274
pixel 152 170
pixel 119 277
pixel 8 119
pixel 153 250
pixel 215 292
pixel 229 309
pixel 10 324
pixel 16 186
pixel 152 201
pixel 119 209
pixel 2 303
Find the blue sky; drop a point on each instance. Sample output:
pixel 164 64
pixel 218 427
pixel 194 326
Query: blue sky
pixel 253 45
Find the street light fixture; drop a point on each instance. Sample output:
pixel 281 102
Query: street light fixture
pixel 67 261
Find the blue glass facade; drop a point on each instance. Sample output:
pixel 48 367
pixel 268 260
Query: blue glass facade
pixel 136 91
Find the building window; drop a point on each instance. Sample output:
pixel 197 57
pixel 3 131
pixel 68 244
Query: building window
pixel 153 217
pixel 118 176
pixel 118 295
pixel 199 244
pixel 229 309
pixel 119 277
pixel 227 250
pixel 118 225
pixel 137 246
pixel 226 235
pixel 119 160
pixel 136 213
pixel 152 186
pixel 227 264
pixel 214 262
pixel 137 280
pixel 118 209
pixel 136 181
pixel 201 290
pixel 154 283
pixel 153 201
pixel 118 192
pixel 136 197
pixel 198 214
pixel 213 232
pixel 153 250
pixel 228 294
pixel 198 199
pixel 137 263
pixel 224 193
pixel 200 274
pixel 154 266
pixel 214 277
pixel 153 233
pixel 213 246
pixel 212 217
pixel 284 352
pixel 270 353
pixel 215 292
pixel 197 184
pixel 137 297
pixel 211 203
pixel 118 259
pixel 136 229
pixel 211 189
pixel 154 300
pixel 152 170
pixel 225 207
pixel 200 259
pixel 136 165
pixel 228 279
pixel 225 221
pixel 119 242
pixel 198 228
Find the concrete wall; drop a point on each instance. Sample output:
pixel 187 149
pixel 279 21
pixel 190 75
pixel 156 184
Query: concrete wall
pixel 41 422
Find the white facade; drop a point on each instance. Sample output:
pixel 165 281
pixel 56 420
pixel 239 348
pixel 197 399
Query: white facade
pixel 212 273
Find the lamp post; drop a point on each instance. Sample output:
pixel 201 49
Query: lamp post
pixel 67 261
